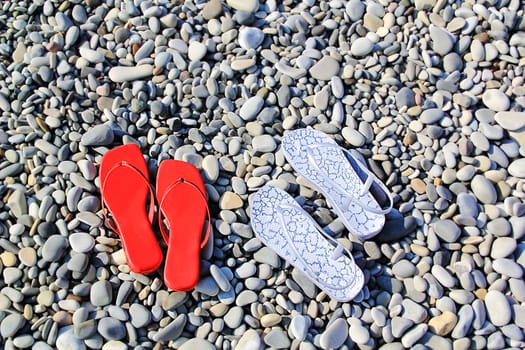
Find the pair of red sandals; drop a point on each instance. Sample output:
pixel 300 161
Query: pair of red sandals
pixel 181 198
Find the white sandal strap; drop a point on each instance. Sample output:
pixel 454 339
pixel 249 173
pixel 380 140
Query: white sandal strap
pixel 338 251
pixel 370 180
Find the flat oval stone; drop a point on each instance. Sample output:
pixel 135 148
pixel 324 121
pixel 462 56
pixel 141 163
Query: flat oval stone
pixel 496 100
pixel 483 189
pixel 498 308
pixel 11 324
pixel 431 115
pixel 67 340
pixel 325 68
pixel 81 242
pixel 361 47
pixel 299 327
pixel 447 230
pixel 502 247
pixel 54 248
pixel 249 340
pixel 111 328
pixel 122 74
pixel 517 168
pixel 101 293
pixel 508 267
pixel 197 343
pixel 250 37
pixel 511 120
pixel 140 316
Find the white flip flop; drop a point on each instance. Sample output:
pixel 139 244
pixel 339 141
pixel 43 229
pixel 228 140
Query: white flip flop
pixel 347 184
pixel 281 224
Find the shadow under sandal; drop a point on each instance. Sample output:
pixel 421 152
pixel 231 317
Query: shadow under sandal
pixel 281 224
pixel 125 190
pixel 182 203
pixel 358 197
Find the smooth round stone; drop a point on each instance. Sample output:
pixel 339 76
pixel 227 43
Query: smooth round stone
pixel 270 320
pixel 404 269
pixel 81 242
pixel 28 256
pixel 452 62
pixel 277 338
pixel 67 340
pixel 251 108
pixel 101 293
pixel 250 37
pixel 99 135
pixel 325 68
pixel 230 201
pixel 466 173
pixel 114 345
pixel 197 343
pixel 442 41
pixel 11 324
pixel 467 204
pixel 355 10
pixel 264 143
pixel 483 189
pixel 120 74
pixel 233 317
pixel 299 327
pixel 361 47
pixel 140 316
pixel 111 328
pixel 250 340
pixel 54 248
pixel 480 141
pixel 511 120
pixel 244 5
pixel 196 51
pixel 498 309
pixel 405 97
pixel 447 230
pixel 443 324
pixel 496 100
pixel 210 166
pixel 220 278
pixel 23 341
pixel 502 247
pixel 354 137
pixel 508 267
pixel 431 115
pixel 359 334
pixel 92 56
pixel 517 168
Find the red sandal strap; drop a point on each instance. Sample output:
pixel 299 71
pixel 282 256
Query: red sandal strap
pixel 203 197
pixel 105 211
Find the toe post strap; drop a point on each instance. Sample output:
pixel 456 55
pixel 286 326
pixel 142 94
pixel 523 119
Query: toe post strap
pixel 105 211
pixel 182 181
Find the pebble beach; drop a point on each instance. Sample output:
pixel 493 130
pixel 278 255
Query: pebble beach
pixel 429 94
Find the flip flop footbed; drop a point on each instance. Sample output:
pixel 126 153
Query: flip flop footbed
pixel 181 198
pixel 125 189
pixel 334 176
pixel 286 228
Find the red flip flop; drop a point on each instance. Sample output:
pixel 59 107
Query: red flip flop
pixel 125 189
pixel 182 202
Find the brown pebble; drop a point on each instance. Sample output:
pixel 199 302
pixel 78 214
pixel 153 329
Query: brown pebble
pixel 418 185
pixel 480 293
pixel 443 324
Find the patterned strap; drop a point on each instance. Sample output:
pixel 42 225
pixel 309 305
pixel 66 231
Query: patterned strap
pixel 105 212
pixel 182 181
pixel 338 251
pixel 370 179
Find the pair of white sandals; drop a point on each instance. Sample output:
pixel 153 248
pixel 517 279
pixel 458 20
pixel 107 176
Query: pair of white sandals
pixel 349 187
